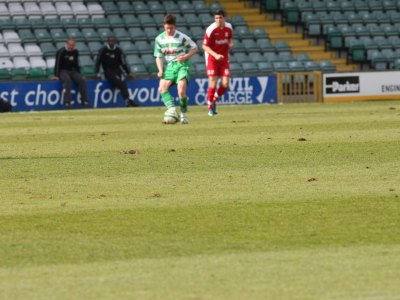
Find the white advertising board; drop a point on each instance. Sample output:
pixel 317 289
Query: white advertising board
pixel 361 86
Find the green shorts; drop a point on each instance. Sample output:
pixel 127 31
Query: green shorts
pixel 176 71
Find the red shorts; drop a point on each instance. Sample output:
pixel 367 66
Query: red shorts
pixel 218 68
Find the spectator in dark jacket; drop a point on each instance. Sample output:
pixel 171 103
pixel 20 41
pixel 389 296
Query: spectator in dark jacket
pixel 116 70
pixel 67 70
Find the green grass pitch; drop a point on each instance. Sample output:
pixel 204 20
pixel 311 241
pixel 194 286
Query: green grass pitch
pixel 260 202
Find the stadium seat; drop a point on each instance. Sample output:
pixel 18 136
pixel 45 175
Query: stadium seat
pixel 296 66
pixel 139 70
pixel 144 47
pixel 33 50
pixel 4 12
pixel 265 67
pixel 95 10
pixel 110 8
pixel 16 50
pixel 141 8
pixel 94 47
pixel 48 9
pixel 236 69
pixel 201 8
pixel 327 66
pixel 250 68
pixel 280 66
pixel 32 9
pixel 133 59
pixel 156 7
pixel 171 7
pixel 75 33
pixel 90 34
pixel 82 48
pixel 48 49
pixel 4 52
pixel 16 9
pixel 122 34
pixel 27 36
pixel 104 33
pixel 125 7
pixel 58 35
pixel 64 10
pixel 79 10
pixel 22 23
pixel 128 47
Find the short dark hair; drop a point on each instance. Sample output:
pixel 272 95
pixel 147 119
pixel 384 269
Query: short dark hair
pixel 170 19
pixel 219 12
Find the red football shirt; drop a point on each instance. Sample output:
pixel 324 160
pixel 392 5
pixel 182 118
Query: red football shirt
pixel 218 40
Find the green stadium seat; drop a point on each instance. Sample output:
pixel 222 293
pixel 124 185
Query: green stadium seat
pixel 38 23
pixel 327 66
pixel 5 73
pixel 85 23
pixel 104 33
pixel 192 20
pixel 90 34
pixel 240 57
pixel 48 49
pixel 7 24
pixel 83 48
pixel 137 34
pixel 296 66
pixel 238 21
pixel 265 67
pixel 266 45
pixel 37 73
pixel 101 23
pixel 75 33
pixel 171 7
pixel 128 47
pixel 94 47
pixel 201 8
pixel 116 21
pixel 53 23
pixel 58 35
pixel 251 45
pixel 22 23
pixel 110 8
pixel 156 7
pixel 257 57
pixel 311 66
pixel 125 7
pixel 19 73
pixel 146 21
pixel 122 34
pixel 236 69
pixel 133 59
pixel 141 8
pixel 144 47
pixel 27 36
pixel 243 32
pixel 151 33
pixel 280 66
pixel 186 7
pixel 249 68
pixel 282 46
pixel 70 23
pixel 260 33
pixel 139 70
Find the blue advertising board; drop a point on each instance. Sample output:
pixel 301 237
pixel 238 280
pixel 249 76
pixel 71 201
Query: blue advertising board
pixel 48 95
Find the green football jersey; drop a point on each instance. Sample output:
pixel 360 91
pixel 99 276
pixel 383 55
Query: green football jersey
pixel 170 47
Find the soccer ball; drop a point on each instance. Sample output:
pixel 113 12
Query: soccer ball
pixel 170 117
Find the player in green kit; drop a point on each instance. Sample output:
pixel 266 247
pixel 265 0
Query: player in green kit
pixel 175 48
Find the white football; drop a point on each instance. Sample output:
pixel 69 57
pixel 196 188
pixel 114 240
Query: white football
pixel 170 117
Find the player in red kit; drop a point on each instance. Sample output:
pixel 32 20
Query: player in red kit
pixel 216 44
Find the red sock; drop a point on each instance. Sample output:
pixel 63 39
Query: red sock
pixel 210 96
pixel 221 90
